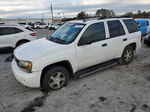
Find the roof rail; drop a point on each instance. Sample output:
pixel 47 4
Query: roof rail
pixel 89 19
pixel 113 17
pixel 102 17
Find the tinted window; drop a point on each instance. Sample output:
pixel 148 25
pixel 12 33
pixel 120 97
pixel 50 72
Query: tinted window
pixel 131 25
pixel 42 24
pixel 147 23
pixel 9 30
pixel 115 28
pixel 93 33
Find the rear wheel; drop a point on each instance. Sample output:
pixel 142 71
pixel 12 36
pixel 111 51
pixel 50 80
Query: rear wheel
pixel 127 55
pixel 55 78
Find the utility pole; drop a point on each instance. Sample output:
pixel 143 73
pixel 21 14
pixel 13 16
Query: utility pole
pixel 42 17
pixel 63 15
pixel 51 8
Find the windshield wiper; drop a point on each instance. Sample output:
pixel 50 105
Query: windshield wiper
pixel 57 40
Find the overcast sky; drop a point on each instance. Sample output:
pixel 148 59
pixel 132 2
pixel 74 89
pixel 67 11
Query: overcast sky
pixel 70 8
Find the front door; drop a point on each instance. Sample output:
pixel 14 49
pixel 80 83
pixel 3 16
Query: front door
pixel 92 48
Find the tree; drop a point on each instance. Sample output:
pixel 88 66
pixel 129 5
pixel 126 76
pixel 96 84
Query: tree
pixel 82 15
pixel 129 14
pixel 112 13
pixel 139 14
pixel 105 13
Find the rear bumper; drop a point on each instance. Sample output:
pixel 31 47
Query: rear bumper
pixel 28 79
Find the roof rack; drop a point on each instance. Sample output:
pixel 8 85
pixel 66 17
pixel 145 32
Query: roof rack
pixel 100 18
pixel 113 17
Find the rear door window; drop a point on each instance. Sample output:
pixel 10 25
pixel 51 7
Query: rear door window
pixel 131 25
pixel 115 28
pixel 9 30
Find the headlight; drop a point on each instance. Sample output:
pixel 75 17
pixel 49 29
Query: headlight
pixel 25 65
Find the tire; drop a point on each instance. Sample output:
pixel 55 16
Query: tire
pixel 38 27
pixel 127 55
pixel 55 78
pixel 21 43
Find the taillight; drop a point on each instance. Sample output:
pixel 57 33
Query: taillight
pixel 32 34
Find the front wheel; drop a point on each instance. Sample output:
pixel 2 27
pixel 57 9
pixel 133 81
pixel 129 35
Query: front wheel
pixel 127 55
pixel 55 78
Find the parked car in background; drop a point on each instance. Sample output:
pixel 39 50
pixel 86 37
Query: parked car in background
pixel 50 26
pixel 78 48
pixel 40 25
pixel 12 36
pixel 55 26
pixel 147 40
pixel 144 26
pixel 28 27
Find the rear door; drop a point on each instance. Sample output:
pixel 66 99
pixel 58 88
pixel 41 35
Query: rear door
pixel 8 36
pixel 116 38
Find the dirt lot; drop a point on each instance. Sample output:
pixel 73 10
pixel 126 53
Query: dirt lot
pixel 116 89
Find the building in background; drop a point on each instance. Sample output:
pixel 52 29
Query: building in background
pixel 27 21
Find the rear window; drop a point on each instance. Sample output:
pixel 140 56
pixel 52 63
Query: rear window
pixel 115 28
pixel 9 30
pixel 131 25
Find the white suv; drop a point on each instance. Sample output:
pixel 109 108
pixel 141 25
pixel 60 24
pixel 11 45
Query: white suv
pixel 77 48
pixel 12 36
pixel 40 26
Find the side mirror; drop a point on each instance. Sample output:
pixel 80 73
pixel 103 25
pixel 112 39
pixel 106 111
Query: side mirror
pixel 83 41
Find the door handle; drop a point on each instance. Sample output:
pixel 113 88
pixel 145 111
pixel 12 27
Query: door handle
pixel 104 45
pixel 125 39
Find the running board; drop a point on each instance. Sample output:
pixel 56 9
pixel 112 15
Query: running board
pixel 95 68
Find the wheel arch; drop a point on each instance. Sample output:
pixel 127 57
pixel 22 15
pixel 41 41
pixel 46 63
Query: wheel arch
pixel 64 63
pixel 21 41
pixel 133 45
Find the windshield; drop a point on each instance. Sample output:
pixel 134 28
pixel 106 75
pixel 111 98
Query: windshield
pixel 67 33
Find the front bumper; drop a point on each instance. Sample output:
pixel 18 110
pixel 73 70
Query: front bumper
pixel 28 79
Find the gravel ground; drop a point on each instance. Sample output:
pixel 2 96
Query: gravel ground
pixel 116 89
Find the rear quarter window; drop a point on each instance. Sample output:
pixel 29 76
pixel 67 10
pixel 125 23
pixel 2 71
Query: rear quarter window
pixel 131 25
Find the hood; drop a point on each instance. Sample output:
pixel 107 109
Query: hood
pixel 35 49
